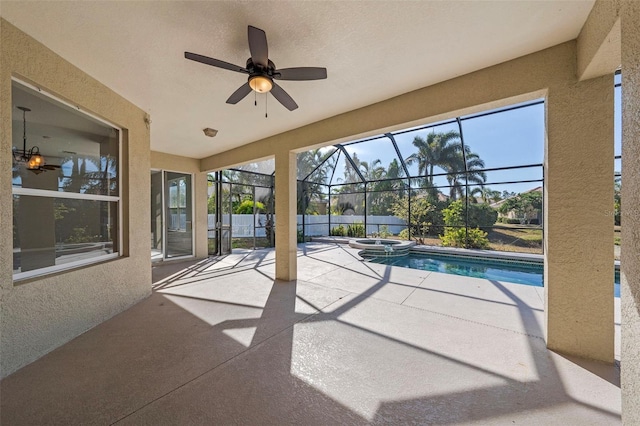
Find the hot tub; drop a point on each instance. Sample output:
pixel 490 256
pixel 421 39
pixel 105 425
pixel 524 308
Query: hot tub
pixel 376 247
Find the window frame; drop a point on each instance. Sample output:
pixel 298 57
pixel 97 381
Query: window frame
pixel 15 190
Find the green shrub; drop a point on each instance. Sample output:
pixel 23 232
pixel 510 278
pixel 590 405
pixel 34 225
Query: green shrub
pixel 452 215
pixel 338 231
pixel 481 215
pixel 301 238
pixel 455 235
pixel 458 237
pixel 355 230
pixel 246 207
pixel 404 234
pixel 384 232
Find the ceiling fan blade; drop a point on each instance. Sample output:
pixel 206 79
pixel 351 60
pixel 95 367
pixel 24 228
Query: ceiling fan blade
pixel 301 73
pixel 283 97
pixel 214 62
pixel 258 46
pixel 239 94
pixel 50 167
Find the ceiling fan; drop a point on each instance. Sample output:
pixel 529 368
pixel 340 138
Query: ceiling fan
pixel 262 71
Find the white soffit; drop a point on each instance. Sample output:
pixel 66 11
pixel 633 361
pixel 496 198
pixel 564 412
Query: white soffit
pixel 372 51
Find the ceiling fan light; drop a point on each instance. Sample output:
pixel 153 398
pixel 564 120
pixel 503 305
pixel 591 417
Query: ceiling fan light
pixel 35 161
pixel 260 84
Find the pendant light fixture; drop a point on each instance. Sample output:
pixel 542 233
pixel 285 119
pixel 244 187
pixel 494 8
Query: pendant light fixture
pixel 32 159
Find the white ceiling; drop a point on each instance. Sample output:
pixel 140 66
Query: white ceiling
pixel 373 50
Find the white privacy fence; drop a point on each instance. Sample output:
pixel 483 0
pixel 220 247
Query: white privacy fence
pixel 242 225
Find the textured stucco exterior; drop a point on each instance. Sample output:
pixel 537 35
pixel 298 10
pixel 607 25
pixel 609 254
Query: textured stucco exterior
pixel 630 255
pixel 174 163
pixel 286 235
pixel 599 41
pixel 41 314
pixel 578 248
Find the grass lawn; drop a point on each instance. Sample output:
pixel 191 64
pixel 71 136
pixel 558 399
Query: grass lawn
pixel 510 238
pixel 504 238
pixel 247 243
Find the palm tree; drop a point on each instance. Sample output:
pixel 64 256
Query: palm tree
pixel 373 171
pixel 456 172
pixel 387 185
pixel 308 163
pixel 350 174
pixel 485 193
pixel 309 160
pixel 439 149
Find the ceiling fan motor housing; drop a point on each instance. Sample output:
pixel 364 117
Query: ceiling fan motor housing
pixel 260 78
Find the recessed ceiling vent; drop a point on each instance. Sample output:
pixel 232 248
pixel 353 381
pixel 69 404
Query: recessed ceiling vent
pixel 210 132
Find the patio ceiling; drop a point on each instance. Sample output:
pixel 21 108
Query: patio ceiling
pixel 372 51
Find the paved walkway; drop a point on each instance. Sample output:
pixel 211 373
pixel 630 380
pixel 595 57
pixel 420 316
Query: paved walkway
pixel 221 342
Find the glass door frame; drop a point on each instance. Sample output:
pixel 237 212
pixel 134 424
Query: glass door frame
pixel 221 227
pixel 165 206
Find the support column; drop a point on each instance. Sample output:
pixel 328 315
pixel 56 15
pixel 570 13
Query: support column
pixel 630 199
pixel 286 241
pixel 578 225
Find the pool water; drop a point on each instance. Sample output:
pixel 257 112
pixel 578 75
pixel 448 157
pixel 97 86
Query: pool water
pixel 518 272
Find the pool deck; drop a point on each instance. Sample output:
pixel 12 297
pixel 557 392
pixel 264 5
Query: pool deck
pixel 350 342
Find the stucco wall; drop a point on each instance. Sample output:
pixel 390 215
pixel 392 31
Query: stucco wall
pixel 599 41
pixel 175 163
pixel 41 314
pixel 578 242
pixel 630 254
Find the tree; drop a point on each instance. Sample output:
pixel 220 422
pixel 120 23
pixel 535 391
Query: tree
pixel 438 149
pixel 507 194
pixel 350 173
pixel 524 205
pixel 444 150
pixel 486 194
pixel 314 173
pixel 248 206
pixel 421 217
pixel 211 204
pixel 383 194
pixel 456 172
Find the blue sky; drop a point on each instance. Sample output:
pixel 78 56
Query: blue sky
pixel 509 138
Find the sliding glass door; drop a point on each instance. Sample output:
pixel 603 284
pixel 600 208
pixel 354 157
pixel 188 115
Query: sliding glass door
pixel 171 215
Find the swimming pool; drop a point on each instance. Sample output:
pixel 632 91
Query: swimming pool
pixel 513 271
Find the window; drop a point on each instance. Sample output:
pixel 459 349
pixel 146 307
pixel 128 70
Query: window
pixel 65 185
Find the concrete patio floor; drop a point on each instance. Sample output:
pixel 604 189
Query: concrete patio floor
pixel 219 342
